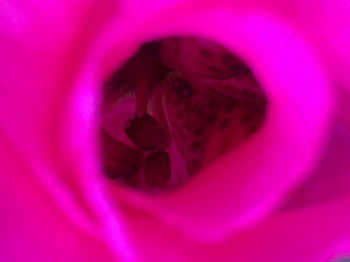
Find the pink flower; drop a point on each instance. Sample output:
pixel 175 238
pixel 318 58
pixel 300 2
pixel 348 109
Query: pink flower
pixel 281 196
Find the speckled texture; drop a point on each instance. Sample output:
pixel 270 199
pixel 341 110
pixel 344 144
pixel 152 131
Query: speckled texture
pixel 215 118
pixel 201 57
pixel 206 97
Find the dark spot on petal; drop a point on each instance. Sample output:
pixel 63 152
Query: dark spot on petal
pixel 196 145
pixel 230 105
pixel 211 119
pixel 198 131
pixel 248 117
pixel 182 87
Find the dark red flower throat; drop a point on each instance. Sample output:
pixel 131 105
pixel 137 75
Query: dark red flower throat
pixel 189 101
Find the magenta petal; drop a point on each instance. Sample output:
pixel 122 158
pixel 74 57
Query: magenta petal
pixel 313 234
pixel 331 177
pixel 241 187
pixel 33 227
pixel 326 23
pixel 303 235
pixel 39 61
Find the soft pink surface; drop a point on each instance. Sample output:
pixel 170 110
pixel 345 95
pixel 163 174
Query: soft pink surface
pixel 32 227
pixel 55 204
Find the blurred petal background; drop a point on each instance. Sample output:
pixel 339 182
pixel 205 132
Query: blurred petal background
pixel 55 207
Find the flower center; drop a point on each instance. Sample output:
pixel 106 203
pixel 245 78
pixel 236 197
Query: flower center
pixel 174 107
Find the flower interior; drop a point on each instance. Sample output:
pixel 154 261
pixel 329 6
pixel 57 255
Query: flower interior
pixel 172 108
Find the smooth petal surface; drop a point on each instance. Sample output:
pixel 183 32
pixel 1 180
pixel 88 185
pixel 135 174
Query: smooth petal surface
pixel 33 227
pixel 292 236
pixel 331 177
pixel 314 234
pixel 326 25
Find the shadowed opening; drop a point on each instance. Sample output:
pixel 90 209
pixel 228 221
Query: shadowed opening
pixel 172 108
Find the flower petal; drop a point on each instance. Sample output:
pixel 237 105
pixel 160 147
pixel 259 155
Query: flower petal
pixel 33 227
pixel 241 187
pixel 309 234
pixel 331 177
